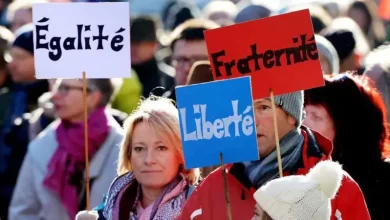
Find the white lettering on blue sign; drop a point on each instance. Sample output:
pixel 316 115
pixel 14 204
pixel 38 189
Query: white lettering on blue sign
pixel 219 128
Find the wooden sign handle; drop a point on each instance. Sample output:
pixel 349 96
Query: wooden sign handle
pixel 225 186
pixel 276 133
pixel 86 141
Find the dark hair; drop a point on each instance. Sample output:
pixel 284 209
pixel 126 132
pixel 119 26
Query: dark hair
pixel 359 116
pixel 105 86
pixel 192 30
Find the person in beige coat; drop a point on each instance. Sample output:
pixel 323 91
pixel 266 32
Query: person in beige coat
pixel 51 182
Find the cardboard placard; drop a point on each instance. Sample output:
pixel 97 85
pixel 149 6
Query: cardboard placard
pixel 217 117
pixel 278 52
pixel 72 38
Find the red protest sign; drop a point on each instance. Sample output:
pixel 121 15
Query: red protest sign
pixel 278 52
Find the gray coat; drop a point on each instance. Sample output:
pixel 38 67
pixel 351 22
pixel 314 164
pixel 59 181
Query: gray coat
pixel 31 200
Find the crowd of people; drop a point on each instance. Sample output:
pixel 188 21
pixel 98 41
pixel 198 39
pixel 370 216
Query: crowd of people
pixel 334 140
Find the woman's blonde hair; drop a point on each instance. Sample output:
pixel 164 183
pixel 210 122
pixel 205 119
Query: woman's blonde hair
pixel 163 117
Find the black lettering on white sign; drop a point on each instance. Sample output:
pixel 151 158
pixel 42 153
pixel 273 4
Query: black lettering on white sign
pixel 81 42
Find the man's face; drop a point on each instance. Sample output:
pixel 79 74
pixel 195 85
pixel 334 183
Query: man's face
pixel 186 53
pixel 22 65
pixel 265 125
pixel 142 52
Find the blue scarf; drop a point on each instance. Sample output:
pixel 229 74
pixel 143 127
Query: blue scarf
pixel 261 171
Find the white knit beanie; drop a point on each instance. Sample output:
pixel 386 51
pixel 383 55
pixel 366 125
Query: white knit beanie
pixel 87 215
pixel 327 49
pixel 302 197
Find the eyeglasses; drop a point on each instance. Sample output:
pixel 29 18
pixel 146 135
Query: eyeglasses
pixel 179 61
pixel 63 89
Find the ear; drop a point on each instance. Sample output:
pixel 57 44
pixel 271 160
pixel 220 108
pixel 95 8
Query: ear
pixel 291 120
pixel 94 99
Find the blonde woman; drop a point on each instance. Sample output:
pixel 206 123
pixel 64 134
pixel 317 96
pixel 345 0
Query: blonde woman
pixel 152 182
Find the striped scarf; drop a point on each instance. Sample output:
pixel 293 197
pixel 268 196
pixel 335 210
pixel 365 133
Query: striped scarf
pixel 169 210
pixel 261 171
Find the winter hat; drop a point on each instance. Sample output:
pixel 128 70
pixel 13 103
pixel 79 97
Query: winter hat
pixel 302 197
pixel 177 12
pixel 252 12
pixel 343 41
pixel 320 18
pixel 342 24
pixel 221 11
pixel 143 29
pixel 327 49
pixel 87 215
pixel 292 103
pixel 200 73
pixel 24 38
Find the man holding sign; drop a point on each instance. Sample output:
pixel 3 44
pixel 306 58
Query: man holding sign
pixel 285 61
pixel 301 149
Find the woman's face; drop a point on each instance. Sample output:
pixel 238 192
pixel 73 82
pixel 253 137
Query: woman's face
pixel 68 100
pixel 154 162
pixel 318 119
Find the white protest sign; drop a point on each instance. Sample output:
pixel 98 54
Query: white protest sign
pixel 70 38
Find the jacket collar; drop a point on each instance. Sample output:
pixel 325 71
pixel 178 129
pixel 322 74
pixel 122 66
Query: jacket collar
pixel 315 148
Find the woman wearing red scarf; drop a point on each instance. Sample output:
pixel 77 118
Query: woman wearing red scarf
pixel 51 183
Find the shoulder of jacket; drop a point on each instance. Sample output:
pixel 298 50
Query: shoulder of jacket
pixel 349 186
pixel 48 134
pixel 214 179
pixel 44 145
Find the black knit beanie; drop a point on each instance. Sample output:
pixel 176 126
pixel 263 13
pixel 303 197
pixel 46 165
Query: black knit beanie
pixel 343 41
pixel 24 38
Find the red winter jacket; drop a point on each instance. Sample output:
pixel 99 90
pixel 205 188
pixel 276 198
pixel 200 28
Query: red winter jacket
pixel 208 202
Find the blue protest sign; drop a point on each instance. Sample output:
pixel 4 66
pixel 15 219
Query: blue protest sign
pixel 217 117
